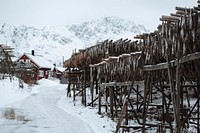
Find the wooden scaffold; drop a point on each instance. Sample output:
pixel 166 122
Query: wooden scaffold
pixel 151 81
pixel 6 64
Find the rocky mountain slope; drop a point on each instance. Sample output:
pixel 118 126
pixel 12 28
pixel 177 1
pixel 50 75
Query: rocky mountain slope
pixel 57 43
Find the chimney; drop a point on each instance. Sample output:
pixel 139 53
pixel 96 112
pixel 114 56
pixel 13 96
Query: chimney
pixel 33 52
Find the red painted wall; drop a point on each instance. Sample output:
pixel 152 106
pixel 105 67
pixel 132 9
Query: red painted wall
pixel 36 71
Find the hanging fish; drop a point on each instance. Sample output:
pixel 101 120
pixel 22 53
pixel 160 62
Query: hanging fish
pixel 190 19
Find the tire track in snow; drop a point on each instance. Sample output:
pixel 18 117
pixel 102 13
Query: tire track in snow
pixel 45 116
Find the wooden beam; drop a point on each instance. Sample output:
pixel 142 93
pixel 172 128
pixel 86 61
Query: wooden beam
pixel 180 12
pixel 173 63
pixel 169 18
pixel 183 9
pixel 124 55
pixel 115 84
pixel 139 37
pixel 81 50
pixel 197 8
pixel 122 115
pixel 176 15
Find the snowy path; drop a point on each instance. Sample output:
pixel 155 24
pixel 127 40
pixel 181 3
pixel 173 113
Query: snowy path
pixel 39 113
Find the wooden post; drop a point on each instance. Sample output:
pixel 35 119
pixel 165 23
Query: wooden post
pixel 137 97
pixel 198 95
pixel 69 84
pixel 99 107
pixel 198 117
pixel 85 71
pixel 163 99
pixel 96 79
pixel 144 103
pixel 147 90
pixel 74 91
pixel 82 85
pixel 126 114
pixel 115 100
pixel 111 100
pixel 198 87
pixel 177 96
pixel 106 89
pixel 181 104
pixel 151 96
pixel 91 85
pixel 172 88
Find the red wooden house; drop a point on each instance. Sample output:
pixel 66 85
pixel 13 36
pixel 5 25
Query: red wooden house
pixel 41 65
pixel 57 72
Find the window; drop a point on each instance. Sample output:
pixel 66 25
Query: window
pixel 28 61
pixel 21 60
pixel 41 73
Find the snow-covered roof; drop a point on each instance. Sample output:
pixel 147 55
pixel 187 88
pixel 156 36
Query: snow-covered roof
pixel 61 69
pixel 39 60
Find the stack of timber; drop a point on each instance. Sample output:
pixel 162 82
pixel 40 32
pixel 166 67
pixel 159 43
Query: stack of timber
pixel 165 62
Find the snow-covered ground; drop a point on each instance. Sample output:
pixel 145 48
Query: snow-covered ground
pixel 44 108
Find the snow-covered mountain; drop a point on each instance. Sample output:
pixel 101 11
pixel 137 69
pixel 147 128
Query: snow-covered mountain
pixel 105 28
pixel 57 43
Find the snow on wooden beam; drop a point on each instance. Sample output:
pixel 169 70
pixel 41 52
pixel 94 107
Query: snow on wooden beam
pixel 134 53
pixel 124 55
pixel 100 63
pixel 173 63
pixel 91 65
pixel 110 84
pixel 106 60
pixel 113 57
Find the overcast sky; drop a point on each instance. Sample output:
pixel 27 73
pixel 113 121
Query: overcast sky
pixel 41 13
